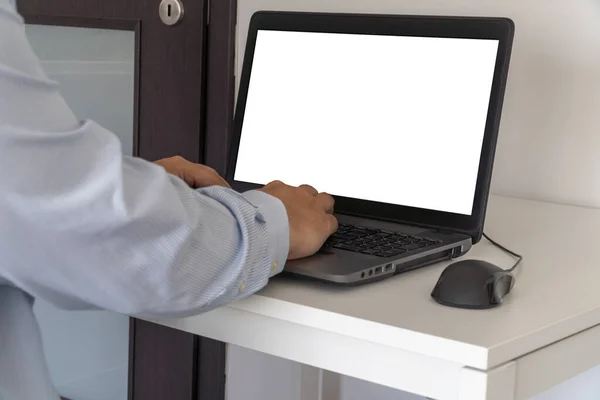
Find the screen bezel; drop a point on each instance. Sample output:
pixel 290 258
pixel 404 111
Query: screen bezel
pixel 501 29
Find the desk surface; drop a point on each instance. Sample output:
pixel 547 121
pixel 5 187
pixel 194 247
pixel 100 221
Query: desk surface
pixel 555 296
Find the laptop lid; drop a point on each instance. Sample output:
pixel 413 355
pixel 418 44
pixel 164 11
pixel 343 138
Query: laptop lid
pixel 396 116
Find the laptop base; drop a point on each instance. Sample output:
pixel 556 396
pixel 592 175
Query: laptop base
pixel 350 268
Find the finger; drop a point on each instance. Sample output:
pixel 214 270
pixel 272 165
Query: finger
pixel 311 190
pixel 219 180
pixel 326 202
pixel 223 181
pixel 202 176
pixel 206 181
pixel 332 224
pixel 274 183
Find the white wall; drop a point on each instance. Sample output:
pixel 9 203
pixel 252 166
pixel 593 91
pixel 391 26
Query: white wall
pixel 549 146
pixel 87 351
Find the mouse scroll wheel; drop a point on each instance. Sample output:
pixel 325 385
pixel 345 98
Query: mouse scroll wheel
pixel 505 284
pixel 498 288
pixel 492 292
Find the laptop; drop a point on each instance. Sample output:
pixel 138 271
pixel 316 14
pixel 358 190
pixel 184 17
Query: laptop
pixel 395 116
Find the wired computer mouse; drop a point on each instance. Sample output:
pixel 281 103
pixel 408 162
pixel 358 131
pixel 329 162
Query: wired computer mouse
pixel 474 284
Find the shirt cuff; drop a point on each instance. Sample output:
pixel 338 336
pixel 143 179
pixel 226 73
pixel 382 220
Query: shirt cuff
pixel 274 214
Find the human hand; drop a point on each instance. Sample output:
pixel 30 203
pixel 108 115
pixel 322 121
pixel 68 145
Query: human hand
pixel 195 175
pixel 310 216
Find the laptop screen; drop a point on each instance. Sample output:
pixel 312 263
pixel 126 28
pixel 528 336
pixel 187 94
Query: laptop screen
pixel 391 119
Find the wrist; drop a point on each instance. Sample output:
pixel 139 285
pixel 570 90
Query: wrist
pixel 273 213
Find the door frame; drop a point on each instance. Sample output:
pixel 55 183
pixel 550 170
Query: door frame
pixel 184 107
pixel 218 117
pixel 220 85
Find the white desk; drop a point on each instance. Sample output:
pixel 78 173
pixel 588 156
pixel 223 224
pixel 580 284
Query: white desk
pixel 392 333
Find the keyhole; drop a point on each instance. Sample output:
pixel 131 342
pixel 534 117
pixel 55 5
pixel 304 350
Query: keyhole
pixel 169 11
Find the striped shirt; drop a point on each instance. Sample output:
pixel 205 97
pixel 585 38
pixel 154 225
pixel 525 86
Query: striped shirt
pixel 83 227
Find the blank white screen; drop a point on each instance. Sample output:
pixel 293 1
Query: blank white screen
pixel 392 119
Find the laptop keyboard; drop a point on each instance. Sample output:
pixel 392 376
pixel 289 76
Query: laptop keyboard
pixel 377 242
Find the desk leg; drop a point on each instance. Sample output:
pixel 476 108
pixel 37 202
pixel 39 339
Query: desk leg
pixel 497 384
pixel 311 382
pixel 331 385
pixel 318 384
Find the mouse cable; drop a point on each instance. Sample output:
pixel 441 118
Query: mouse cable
pixel 512 253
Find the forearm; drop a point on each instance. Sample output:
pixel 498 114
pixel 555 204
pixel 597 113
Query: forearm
pixel 128 237
pixel 83 226
pixel 202 249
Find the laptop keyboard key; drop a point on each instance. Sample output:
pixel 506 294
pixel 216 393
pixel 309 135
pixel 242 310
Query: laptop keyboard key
pixel 356 243
pixel 383 243
pixel 370 251
pixel 348 247
pixel 382 235
pixel 341 236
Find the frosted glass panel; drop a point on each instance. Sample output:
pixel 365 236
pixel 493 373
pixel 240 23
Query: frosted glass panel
pixel 87 351
pixel 95 69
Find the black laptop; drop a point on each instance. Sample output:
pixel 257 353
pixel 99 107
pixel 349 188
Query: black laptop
pixel 395 116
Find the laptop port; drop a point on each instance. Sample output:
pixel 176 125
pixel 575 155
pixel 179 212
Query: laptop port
pixel 378 270
pixel 362 275
pixel 388 267
pixel 370 272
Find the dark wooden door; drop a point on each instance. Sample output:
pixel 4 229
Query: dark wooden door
pixel 182 104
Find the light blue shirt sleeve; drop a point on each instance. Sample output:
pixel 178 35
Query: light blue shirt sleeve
pixel 82 226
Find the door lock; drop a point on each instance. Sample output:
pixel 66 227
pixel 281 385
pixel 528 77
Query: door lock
pixel 170 11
